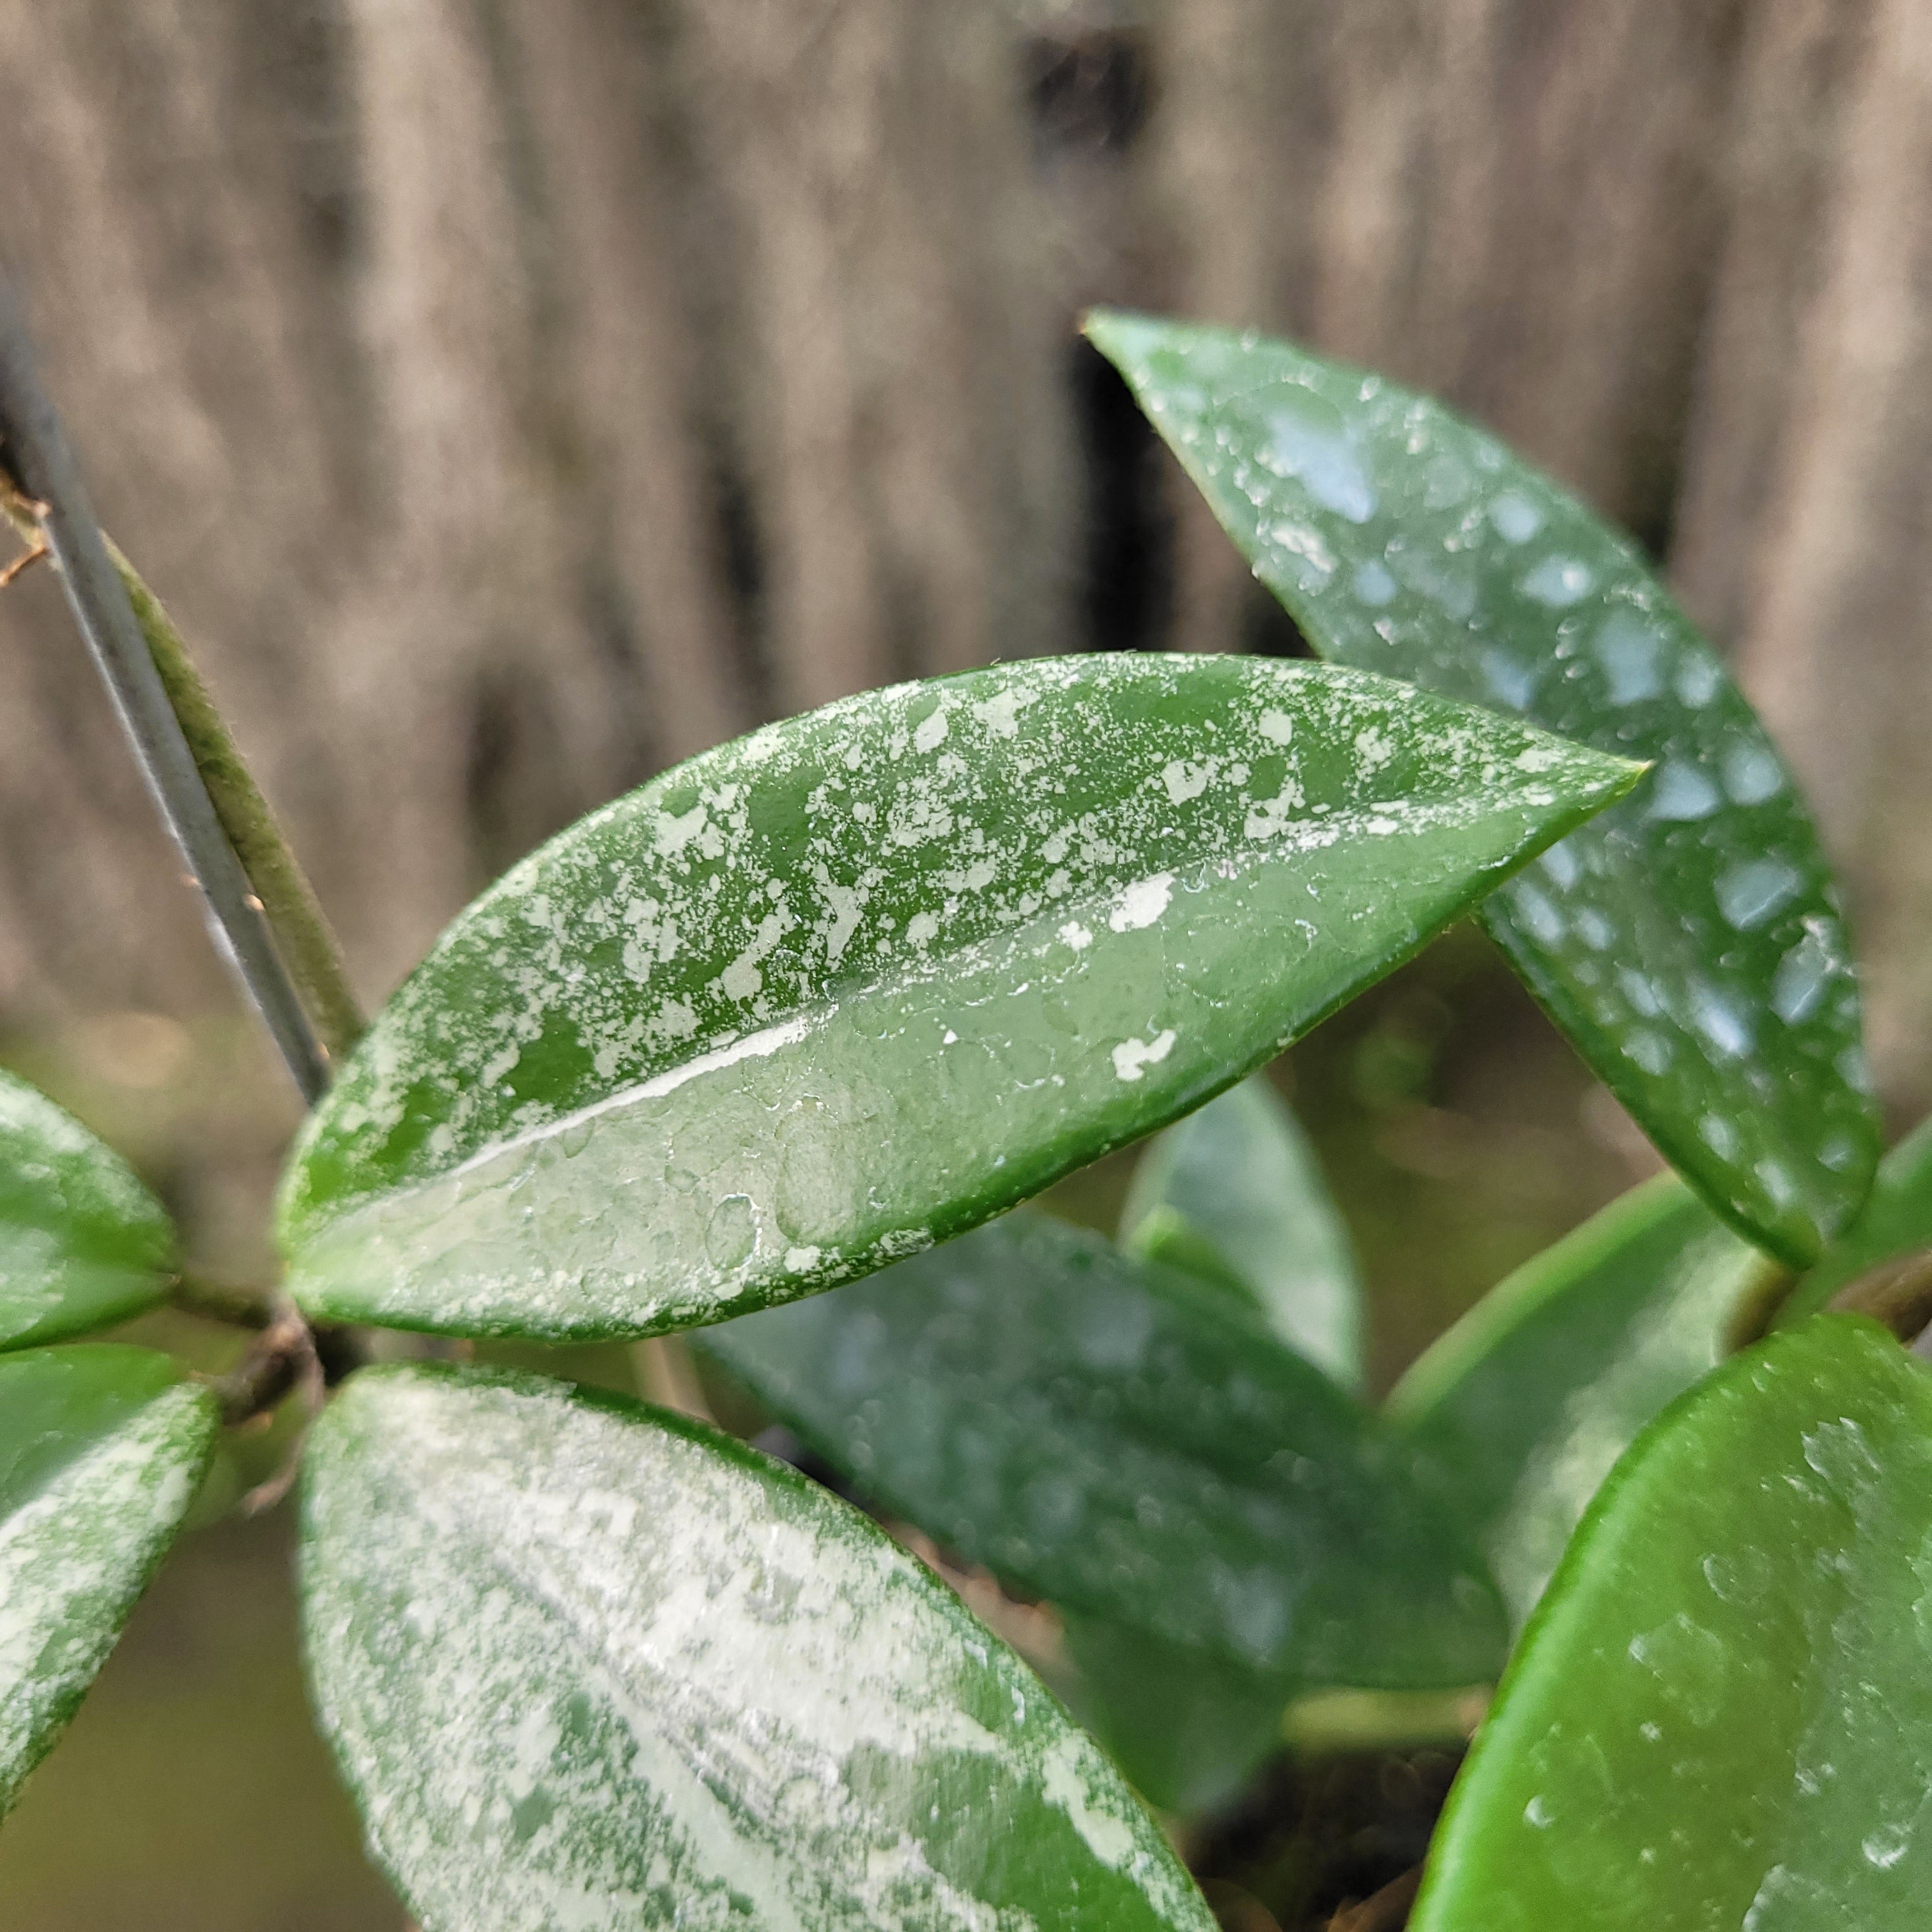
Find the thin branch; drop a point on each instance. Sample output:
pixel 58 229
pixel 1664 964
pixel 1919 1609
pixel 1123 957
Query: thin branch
pixel 36 548
pixel 217 1301
pixel 40 469
pixel 302 933
pixel 282 1355
pixel 287 1356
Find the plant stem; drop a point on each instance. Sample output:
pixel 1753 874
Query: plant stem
pixel 1898 1293
pixel 294 914
pixel 665 1376
pixel 216 1301
pixel 40 469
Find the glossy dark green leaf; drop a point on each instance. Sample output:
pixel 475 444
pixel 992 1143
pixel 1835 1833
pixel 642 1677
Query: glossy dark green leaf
pixel 101 1448
pixel 1896 1223
pixel 82 1243
pixel 1187 1728
pixel 1526 1403
pixel 587 1664
pixel 1233 1194
pixel 1132 1444
pixel 819 998
pixel 1689 942
pixel 1721 1715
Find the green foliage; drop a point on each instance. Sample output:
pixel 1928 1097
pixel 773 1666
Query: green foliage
pixel 999 923
pixel 82 1243
pixel 583 1663
pixel 101 1447
pixel 1722 1713
pixel 1895 1226
pixel 1233 1194
pixel 826 1002
pixel 1688 943
pixel 1186 1727
pixel 1129 1442
pixel 1530 1398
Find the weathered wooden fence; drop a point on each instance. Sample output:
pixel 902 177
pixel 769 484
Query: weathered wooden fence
pixel 513 395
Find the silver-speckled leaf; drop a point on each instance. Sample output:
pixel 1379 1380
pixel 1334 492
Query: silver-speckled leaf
pixel 1689 942
pixel 1233 1194
pixel 101 1448
pixel 82 1243
pixel 584 1664
pixel 819 998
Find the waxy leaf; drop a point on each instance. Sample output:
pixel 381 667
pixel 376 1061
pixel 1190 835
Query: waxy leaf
pixel 1132 1444
pixel 819 998
pixel 1896 1226
pixel 82 1243
pixel 1721 1714
pixel 587 1664
pixel 1526 1403
pixel 1233 1194
pixel 101 1449
pixel 1187 1728
pixel 1689 942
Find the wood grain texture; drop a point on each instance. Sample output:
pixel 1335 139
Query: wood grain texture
pixel 511 398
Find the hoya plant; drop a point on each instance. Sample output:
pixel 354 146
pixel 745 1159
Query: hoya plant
pixel 767 1055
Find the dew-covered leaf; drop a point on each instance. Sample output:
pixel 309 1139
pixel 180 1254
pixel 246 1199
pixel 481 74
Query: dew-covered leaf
pixel 101 1447
pixel 822 997
pixel 1689 942
pixel 82 1243
pixel 1132 1444
pixel 585 1663
pixel 1526 1403
pixel 1187 1728
pixel 1233 1194
pixel 1721 1714
pixel 1896 1227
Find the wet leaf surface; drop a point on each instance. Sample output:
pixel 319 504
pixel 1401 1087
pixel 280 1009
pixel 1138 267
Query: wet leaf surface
pixel 1233 1194
pixel 82 1243
pixel 1132 1444
pixel 101 1448
pixel 585 1663
pixel 821 997
pixel 1526 1403
pixel 1689 942
pixel 1721 1715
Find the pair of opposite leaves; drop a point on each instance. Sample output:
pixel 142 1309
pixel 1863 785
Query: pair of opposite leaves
pixel 433 1188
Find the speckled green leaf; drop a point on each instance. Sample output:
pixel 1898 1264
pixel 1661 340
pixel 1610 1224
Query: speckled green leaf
pixel 1689 942
pixel 1721 1715
pixel 101 1448
pixel 1132 1444
pixel 1233 1194
pixel 1526 1403
pixel 82 1243
pixel 586 1664
pixel 1896 1226
pixel 820 997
